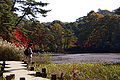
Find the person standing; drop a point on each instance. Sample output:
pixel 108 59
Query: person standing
pixel 30 52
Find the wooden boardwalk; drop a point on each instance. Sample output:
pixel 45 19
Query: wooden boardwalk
pixel 19 69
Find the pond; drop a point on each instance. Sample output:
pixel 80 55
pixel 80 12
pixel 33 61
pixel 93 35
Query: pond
pixel 86 58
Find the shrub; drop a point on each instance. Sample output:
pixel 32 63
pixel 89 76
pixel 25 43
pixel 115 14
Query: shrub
pixel 8 51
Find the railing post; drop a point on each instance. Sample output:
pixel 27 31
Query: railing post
pixel 22 78
pixel 61 77
pixel 33 62
pixel 25 62
pixel 22 60
pixel 1 73
pixel 3 64
pixel 12 75
pixel 38 74
pixel 8 77
pixel 43 70
pixel 44 74
pixel 2 68
pixel 53 77
pixel 31 68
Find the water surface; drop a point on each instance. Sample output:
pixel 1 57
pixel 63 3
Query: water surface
pixel 87 58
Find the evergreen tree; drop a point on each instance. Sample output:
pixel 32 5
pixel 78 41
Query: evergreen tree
pixel 29 8
pixel 7 19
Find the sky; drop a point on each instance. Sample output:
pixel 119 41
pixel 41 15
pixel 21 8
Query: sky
pixel 70 10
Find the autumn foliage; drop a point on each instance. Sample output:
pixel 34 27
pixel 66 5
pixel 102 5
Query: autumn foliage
pixel 22 39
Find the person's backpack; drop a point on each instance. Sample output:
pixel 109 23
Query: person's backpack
pixel 26 52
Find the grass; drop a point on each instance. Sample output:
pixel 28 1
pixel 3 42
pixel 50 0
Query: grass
pixel 41 58
pixel 82 71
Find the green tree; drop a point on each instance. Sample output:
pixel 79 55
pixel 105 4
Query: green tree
pixel 57 31
pixel 7 19
pixel 105 12
pixel 29 8
pixel 117 11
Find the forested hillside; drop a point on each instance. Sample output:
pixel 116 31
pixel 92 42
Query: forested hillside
pixel 96 32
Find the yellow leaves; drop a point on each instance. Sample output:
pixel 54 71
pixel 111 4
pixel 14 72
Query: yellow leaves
pixel 94 18
pixel 115 18
pixel 97 15
pixel 51 26
pixel 58 27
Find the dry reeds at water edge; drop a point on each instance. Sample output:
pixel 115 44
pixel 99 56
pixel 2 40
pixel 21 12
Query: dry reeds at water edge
pixel 9 51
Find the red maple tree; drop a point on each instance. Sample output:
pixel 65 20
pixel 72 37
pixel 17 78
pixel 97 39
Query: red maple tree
pixel 23 39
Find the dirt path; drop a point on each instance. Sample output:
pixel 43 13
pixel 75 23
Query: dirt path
pixel 17 68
